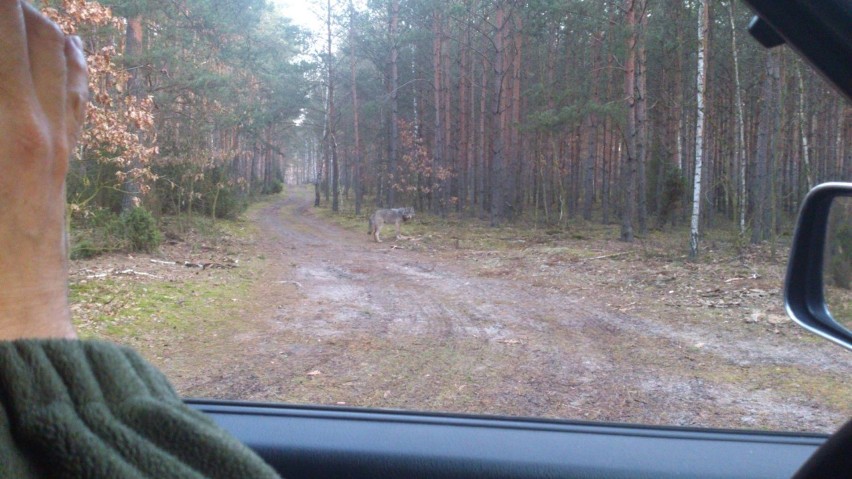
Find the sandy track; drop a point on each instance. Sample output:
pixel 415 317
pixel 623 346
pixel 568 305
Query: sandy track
pixel 338 319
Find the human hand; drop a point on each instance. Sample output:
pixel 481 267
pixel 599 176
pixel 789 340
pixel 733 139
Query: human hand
pixel 43 92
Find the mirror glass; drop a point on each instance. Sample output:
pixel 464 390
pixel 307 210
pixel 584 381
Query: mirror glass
pixel 838 261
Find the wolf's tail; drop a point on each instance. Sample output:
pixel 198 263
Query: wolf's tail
pixel 369 226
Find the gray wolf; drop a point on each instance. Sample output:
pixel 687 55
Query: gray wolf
pixel 395 216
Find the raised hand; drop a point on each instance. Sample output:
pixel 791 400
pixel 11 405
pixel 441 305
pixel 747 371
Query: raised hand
pixel 43 91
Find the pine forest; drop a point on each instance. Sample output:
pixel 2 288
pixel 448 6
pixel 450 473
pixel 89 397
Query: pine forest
pixel 637 113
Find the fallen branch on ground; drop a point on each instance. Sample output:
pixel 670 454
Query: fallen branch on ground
pixel 133 272
pixel 159 261
pixel 605 256
pixel 189 264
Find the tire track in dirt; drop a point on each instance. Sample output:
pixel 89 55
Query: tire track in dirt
pixel 338 319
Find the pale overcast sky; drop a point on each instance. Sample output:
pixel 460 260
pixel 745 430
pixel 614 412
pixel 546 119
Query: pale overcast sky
pixel 304 13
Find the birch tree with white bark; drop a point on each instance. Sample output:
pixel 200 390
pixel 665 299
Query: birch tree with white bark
pixel 700 86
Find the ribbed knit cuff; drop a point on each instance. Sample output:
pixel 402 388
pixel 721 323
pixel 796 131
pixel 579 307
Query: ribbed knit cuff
pixel 93 409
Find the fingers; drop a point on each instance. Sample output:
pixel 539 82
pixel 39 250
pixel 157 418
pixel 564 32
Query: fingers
pixel 47 46
pixel 14 61
pixel 43 84
pixel 77 87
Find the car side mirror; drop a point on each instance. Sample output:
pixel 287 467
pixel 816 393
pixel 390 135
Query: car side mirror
pixel 820 264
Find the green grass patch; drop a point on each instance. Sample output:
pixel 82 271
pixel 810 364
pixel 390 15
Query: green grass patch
pixel 346 218
pixel 129 309
pixel 204 229
pixel 124 310
pixel 240 228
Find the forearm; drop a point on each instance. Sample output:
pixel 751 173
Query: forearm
pixel 34 286
pixel 39 312
pixel 42 107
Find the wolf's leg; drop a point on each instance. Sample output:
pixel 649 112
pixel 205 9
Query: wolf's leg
pixel 397 229
pixel 378 231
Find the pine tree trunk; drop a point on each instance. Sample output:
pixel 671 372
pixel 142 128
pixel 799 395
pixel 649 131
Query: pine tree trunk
pixel 767 126
pixel 464 120
pixel 628 212
pixel 438 145
pixel 516 151
pixel 356 177
pixel 605 182
pixel 741 146
pixel 591 129
pixel 449 157
pixel 331 148
pixel 679 97
pixel 641 117
pixel 318 158
pixel 394 100
pixel 482 157
pixel 132 50
pixel 498 124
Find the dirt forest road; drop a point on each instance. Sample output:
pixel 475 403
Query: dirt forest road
pixel 338 319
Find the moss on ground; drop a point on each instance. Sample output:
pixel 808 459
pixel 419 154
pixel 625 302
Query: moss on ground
pixel 170 301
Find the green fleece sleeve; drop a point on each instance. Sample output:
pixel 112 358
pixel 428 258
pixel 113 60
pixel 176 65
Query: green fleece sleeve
pixel 88 409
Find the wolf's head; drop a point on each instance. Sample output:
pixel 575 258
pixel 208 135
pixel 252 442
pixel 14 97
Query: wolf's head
pixel 407 213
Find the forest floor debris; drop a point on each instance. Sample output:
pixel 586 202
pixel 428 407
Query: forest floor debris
pixel 518 321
